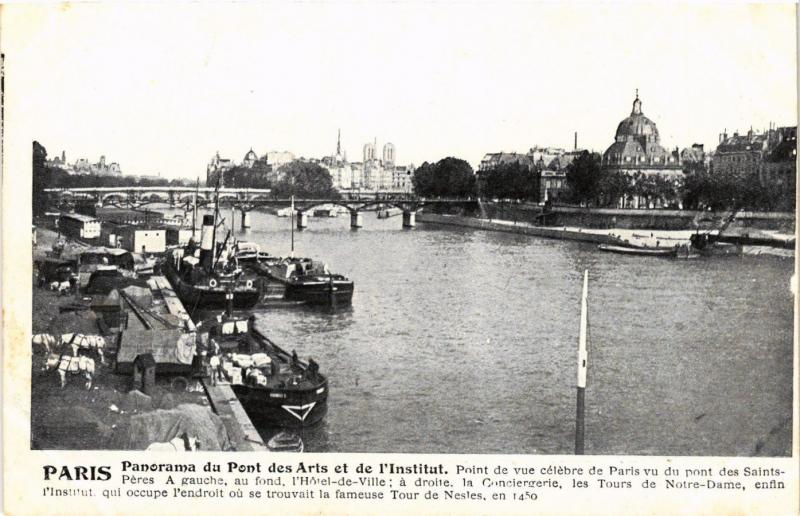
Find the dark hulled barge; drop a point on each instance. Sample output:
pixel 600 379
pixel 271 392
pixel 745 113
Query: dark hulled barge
pixel 296 279
pixel 310 281
pixel 202 278
pixel 272 385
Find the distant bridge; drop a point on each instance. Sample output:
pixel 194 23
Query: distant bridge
pixel 161 194
pixel 247 199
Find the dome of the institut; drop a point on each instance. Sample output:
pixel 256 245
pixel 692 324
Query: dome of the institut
pixel 637 142
pixel 637 125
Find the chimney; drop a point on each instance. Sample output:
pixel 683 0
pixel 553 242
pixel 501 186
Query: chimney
pixel 207 242
pixel 576 141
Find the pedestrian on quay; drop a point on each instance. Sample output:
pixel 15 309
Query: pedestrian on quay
pixel 213 363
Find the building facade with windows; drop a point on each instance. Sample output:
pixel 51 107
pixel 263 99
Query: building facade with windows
pixel 637 152
pixel 769 157
pixel 637 148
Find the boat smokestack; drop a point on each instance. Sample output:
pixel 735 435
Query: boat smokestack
pixel 207 242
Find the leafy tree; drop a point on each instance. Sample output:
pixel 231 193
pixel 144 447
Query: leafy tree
pixel 615 186
pixel 304 180
pixel 448 177
pixel 511 181
pixel 243 177
pixel 42 178
pixel 584 178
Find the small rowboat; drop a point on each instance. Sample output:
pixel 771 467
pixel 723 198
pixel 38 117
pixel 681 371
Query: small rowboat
pixel 639 251
pixel 286 442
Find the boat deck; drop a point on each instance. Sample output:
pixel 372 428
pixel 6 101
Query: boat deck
pixel 161 287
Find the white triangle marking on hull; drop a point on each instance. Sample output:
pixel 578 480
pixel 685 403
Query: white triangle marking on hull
pixel 299 411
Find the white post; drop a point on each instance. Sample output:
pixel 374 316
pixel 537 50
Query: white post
pixel 583 358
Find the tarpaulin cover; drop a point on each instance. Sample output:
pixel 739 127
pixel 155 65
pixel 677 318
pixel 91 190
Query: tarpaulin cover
pixel 170 348
pixel 141 296
pixel 160 426
pixel 109 303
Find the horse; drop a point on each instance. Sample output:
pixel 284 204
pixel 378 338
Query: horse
pixel 73 365
pixel 80 341
pixel 182 443
pixel 44 339
pixel 63 287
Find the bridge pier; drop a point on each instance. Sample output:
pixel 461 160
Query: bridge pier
pixel 356 219
pixel 302 220
pixel 409 218
pixel 245 219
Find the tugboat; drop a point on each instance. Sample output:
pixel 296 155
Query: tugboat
pixel 310 281
pixel 296 279
pixel 273 386
pixel 203 276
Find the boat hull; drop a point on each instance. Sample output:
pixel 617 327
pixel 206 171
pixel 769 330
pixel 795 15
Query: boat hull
pixel 319 293
pixel 299 409
pixel 637 251
pixel 201 297
pixel 310 292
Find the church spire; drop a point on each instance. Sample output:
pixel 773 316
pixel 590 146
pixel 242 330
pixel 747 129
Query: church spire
pixel 339 142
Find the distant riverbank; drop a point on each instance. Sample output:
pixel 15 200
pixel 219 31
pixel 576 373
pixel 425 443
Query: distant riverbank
pixel 618 218
pixel 647 237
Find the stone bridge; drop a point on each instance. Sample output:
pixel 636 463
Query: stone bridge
pixel 247 199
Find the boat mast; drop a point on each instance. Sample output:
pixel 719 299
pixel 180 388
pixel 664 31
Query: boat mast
pixel 291 223
pixel 194 211
pixel 583 356
pixel 214 229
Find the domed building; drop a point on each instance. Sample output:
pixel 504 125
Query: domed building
pixel 637 146
pixel 249 159
pixel 637 149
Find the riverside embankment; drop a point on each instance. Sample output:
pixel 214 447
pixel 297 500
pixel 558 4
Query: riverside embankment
pixel 656 219
pixel 613 235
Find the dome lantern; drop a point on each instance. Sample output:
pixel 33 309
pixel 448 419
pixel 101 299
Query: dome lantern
pixel 637 105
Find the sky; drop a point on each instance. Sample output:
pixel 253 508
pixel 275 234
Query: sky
pixel 161 88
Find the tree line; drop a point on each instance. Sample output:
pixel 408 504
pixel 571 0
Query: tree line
pixel 302 179
pixel 696 188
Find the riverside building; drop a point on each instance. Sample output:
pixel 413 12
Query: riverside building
pixel 769 158
pixel 637 152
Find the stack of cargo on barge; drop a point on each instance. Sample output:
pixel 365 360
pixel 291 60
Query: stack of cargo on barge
pixel 273 385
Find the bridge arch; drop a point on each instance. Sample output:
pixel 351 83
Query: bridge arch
pixel 112 195
pixel 155 196
pixel 190 195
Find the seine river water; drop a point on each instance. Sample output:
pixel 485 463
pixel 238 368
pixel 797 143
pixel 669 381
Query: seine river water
pixel 465 341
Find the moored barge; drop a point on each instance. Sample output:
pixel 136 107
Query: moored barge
pixel 273 386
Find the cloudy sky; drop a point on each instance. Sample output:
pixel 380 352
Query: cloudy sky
pixel 160 89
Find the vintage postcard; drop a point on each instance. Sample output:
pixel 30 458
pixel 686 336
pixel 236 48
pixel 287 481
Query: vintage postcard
pixel 345 258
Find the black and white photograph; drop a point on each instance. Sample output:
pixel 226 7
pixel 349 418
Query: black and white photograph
pixel 409 228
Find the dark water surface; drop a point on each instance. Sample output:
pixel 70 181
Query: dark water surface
pixel 465 341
